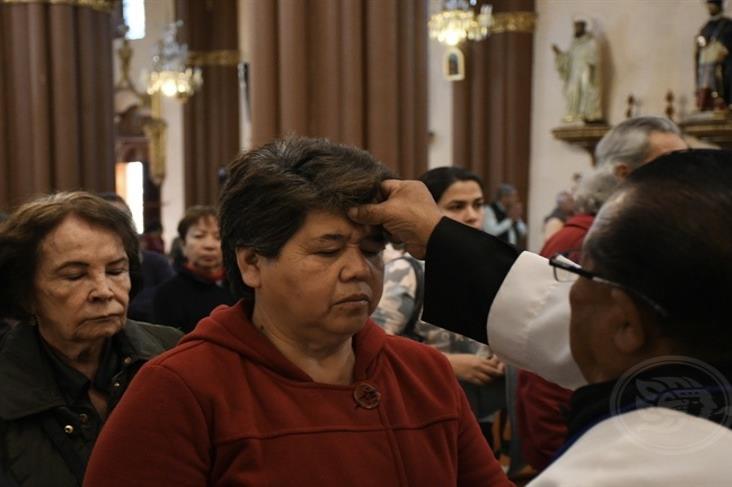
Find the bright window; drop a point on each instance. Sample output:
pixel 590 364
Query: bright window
pixel 134 14
pixel 129 185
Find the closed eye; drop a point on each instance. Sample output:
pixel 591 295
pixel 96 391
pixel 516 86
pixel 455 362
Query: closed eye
pixel 372 247
pixel 328 252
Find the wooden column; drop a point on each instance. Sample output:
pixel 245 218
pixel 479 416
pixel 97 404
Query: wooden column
pixel 56 98
pixel 211 115
pixel 353 71
pixel 492 105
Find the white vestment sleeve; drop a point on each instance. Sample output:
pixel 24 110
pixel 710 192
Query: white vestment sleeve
pixel 528 323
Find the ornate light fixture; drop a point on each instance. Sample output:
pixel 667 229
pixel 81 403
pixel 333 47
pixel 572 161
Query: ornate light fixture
pixel 170 75
pixel 458 21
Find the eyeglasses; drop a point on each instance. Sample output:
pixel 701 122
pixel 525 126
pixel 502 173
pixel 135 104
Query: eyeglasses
pixel 567 271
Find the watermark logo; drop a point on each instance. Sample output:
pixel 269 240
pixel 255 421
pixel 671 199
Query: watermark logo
pixel 665 396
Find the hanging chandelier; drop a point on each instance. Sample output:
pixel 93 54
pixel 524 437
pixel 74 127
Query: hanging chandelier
pixel 170 75
pixel 457 21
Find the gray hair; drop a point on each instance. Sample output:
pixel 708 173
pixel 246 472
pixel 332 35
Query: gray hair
pixel 628 141
pixel 595 189
pixel 563 196
pixel 504 189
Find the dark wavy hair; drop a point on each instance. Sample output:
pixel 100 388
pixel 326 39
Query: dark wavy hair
pixel 667 233
pixel 270 190
pixel 23 232
pixel 439 179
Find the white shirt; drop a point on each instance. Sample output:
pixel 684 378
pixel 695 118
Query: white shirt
pixel 492 226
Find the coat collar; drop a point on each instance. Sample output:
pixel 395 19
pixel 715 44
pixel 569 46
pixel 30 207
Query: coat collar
pixel 27 382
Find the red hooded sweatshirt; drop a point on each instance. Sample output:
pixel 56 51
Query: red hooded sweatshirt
pixel 225 407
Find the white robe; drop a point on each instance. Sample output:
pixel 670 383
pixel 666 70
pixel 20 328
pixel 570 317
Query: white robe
pixel 633 449
pixel 528 323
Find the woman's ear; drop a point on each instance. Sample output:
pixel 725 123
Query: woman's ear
pixel 631 335
pixel 249 263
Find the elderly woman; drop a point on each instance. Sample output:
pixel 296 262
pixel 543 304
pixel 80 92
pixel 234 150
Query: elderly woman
pixel 294 384
pixel 66 261
pixel 199 285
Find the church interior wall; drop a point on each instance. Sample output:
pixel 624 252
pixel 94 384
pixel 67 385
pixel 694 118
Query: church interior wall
pixel 649 48
pixel 440 109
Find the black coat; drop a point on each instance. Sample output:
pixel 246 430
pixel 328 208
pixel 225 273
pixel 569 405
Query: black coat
pixel 187 298
pixel 44 441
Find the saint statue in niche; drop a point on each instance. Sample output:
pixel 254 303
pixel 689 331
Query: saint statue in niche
pixel 714 60
pixel 579 68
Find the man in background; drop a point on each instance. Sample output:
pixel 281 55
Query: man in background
pixel 503 217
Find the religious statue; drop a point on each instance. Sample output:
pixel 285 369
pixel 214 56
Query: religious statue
pixel 714 60
pixel 579 68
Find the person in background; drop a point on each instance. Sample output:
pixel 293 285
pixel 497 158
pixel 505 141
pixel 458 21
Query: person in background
pixel 541 405
pixel 152 237
pixel 176 255
pixel 295 385
pixel 564 209
pixel 154 270
pixel 66 261
pixel 200 284
pixel 503 216
pixel 459 195
pixel 636 141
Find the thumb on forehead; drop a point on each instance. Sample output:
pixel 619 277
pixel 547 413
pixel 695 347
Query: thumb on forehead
pixel 369 214
pixel 373 214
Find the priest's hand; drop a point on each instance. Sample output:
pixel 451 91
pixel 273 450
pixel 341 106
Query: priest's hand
pixel 409 214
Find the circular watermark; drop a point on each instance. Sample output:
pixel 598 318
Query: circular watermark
pixel 666 396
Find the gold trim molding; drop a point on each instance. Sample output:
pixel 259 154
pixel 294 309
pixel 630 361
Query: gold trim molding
pixel 513 22
pixel 224 57
pixel 584 136
pixel 712 127
pixel 98 5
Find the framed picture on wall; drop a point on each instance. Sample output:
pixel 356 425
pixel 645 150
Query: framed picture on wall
pixel 453 64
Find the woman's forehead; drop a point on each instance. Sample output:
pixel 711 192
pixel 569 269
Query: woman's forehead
pixel 323 224
pixel 75 238
pixel 206 221
pixel 467 189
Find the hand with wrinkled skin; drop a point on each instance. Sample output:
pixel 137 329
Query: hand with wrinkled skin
pixel 475 369
pixel 409 214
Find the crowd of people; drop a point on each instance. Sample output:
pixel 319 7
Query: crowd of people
pixel 329 324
